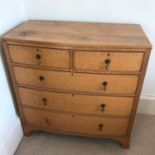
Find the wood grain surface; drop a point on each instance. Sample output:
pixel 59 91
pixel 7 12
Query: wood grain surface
pixel 108 61
pixel 121 84
pixel 81 34
pixel 76 123
pixel 45 57
pixel 75 103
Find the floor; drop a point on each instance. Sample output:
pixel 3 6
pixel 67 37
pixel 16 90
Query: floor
pixel 142 142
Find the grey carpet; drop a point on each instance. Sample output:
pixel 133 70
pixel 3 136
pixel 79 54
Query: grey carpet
pixel 142 142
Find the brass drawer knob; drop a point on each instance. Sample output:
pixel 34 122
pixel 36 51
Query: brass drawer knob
pixel 47 121
pixel 105 84
pixel 100 127
pixel 107 63
pixel 41 78
pixel 102 106
pixel 44 101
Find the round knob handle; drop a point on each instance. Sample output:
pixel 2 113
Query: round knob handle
pixel 38 56
pixel 100 127
pixel 105 83
pixel 47 122
pixel 38 59
pixel 107 61
pixel 41 78
pixel 102 107
pixel 44 101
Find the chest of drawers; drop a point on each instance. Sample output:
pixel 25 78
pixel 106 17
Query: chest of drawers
pixel 77 78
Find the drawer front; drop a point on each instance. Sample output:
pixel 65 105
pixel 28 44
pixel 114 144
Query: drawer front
pixel 102 105
pixel 104 61
pixel 39 56
pixel 125 84
pixel 76 123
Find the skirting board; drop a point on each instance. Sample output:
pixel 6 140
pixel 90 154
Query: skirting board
pixel 146 105
pixel 9 145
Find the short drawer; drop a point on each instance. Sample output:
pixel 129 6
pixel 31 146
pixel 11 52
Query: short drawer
pixel 76 123
pixel 39 56
pixel 125 84
pixel 108 61
pixel 76 103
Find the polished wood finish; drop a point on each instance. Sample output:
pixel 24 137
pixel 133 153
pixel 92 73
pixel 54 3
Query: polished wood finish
pixel 75 103
pixel 77 78
pixel 76 123
pixel 46 57
pixel 80 34
pixel 108 61
pixel 77 82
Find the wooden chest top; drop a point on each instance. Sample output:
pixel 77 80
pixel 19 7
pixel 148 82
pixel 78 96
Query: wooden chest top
pixel 77 34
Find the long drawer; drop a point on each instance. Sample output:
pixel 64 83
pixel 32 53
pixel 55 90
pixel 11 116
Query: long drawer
pixel 76 123
pixel 44 57
pixel 75 103
pixel 97 83
pixel 108 61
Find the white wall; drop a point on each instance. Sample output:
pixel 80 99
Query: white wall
pixel 11 14
pixel 123 11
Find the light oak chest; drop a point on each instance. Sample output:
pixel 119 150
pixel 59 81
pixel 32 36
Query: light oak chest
pixel 77 78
